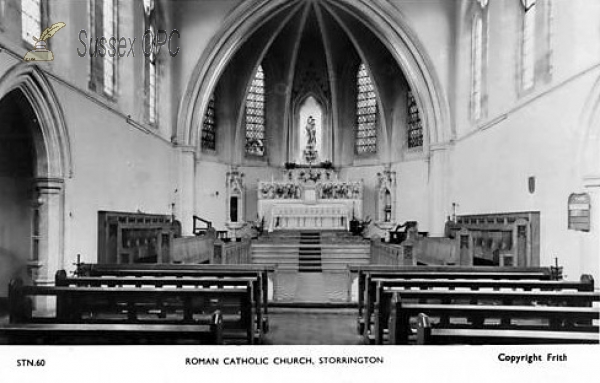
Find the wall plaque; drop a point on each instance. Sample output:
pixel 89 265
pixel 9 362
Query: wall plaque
pixel 579 212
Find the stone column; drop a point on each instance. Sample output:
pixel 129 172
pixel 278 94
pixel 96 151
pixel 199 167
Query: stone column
pixel 185 203
pixel 51 226
pixel 49 236
pixel 438 185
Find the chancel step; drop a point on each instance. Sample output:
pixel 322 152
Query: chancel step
pixel 309 257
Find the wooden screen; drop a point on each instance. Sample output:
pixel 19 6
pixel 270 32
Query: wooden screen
pixel 503 239
pixel 134 237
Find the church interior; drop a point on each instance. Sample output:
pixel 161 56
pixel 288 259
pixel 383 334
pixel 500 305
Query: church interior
pixel 299 172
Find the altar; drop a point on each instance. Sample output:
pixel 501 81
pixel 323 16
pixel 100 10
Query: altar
pixel 309 199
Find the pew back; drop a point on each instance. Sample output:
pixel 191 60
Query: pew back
pixel 186 270
pixel 450 293
pixel 569 319
pixel 85 313
pixel 365 275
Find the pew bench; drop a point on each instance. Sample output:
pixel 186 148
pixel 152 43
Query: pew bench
pixel 428 336
pixel 233 309
pixel 189 270
pixel 112 334
pixel 473 292
pixel 366 273
pixel 493 324
pixel 136 305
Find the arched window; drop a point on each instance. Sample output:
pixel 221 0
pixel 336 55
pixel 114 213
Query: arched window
pixel 536 42
pixel 549 32
pixel 103 70
pixel 109 27
pixel 255 115
pixel 209 126
pixel 150 61
pixel 528 44
pixel 415 127
pixel 31 19
pixel 366 113
pixel 478 54
pixel 477 62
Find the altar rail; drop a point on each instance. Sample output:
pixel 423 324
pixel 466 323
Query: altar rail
pixel 193 249
pixel 421 251
pixel 233 253
pixel 387 254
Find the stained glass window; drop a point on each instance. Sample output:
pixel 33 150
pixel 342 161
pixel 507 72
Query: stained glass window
pixel 415 126
pixel 31 20
pixel 366 113
pixel 255 115
pixel 209 126
pixel 528 44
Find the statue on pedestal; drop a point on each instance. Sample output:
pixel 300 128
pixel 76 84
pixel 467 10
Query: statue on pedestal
pixel 310 153
pixel 311 132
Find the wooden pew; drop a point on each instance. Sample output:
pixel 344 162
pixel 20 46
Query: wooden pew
pixel 190 270
pixel 249 308
pixel 499 292
pixel 109 334
pixel 365 274
pixel 70 326
pixel 499 324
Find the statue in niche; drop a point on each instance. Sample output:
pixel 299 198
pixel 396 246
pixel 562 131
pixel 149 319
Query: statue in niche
pixel 311 133
pixel 310 153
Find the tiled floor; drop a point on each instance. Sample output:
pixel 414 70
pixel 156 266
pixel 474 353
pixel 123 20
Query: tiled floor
pixel 312 327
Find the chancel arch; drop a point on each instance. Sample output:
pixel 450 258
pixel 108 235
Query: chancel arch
pixel 314 48
pixel 383 21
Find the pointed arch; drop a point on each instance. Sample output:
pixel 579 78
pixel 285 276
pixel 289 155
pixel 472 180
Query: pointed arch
pixel 52 165
pixel 383 18
pixel 326 124
pixel 52 140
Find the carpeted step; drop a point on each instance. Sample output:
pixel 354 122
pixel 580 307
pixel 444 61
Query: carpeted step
pixel 309 257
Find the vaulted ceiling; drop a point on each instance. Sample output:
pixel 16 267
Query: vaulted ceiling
pixel 314 47
pixel 314 43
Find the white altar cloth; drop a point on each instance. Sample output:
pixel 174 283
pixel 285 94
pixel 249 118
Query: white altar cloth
pixel 321 215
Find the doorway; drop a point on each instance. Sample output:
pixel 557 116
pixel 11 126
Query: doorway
pixel 19 212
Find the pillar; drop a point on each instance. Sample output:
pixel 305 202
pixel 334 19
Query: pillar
pixel 438 184
pixel 51 226
pixel 184 197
